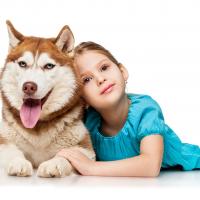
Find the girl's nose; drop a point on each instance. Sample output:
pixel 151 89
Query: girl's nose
pixel 100 80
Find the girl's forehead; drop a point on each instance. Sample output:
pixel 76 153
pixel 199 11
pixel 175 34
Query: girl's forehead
pixel 91 56
pixel 89 60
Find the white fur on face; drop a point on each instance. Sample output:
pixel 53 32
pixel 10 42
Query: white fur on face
pixel 27 57
pixel 43 59
pixel 61 79
pixel 63 82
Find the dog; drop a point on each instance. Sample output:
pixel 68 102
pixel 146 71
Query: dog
pixel 42 108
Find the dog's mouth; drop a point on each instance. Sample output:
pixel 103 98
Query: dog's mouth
pixel 31 110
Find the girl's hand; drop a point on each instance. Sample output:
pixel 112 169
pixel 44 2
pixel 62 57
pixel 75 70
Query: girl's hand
pixel 80 162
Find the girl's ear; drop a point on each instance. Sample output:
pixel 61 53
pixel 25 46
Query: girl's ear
pixel 124 71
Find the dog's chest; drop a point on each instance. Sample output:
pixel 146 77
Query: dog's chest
pixel 40 148
pixel 37 153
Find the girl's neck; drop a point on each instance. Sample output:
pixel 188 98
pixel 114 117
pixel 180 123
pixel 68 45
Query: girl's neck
pixel 114 118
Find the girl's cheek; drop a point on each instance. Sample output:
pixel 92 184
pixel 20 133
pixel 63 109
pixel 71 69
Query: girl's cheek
pixel 86 91
pixel 90 92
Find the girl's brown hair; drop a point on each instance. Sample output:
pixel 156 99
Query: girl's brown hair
pixel 92 46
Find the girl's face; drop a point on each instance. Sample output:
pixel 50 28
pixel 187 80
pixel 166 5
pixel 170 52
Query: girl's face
pixel 103 81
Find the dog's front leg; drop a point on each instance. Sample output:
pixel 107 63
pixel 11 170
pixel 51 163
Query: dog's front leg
pixel 56 167
pixel 14 161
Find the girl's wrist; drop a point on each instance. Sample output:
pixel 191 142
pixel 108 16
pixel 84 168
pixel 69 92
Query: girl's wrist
pixel 94 169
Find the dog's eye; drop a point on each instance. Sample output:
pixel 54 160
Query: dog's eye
pixel 22 64
pixel 49 66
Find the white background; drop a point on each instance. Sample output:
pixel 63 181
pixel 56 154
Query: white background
pixel 158 41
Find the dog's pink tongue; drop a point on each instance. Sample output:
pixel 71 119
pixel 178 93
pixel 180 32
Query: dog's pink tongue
pixel 30 114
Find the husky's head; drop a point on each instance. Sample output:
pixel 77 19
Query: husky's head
pixel 38 79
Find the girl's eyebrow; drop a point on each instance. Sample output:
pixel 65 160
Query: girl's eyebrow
pixel 97 65
pixel 85 73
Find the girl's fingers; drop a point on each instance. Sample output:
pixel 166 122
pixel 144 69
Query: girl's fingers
pixel 70 155
pixel 74 156
pixel 65 152
pixel 66 155
pixel 74 153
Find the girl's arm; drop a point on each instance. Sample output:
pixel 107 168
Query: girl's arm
pixel 147 164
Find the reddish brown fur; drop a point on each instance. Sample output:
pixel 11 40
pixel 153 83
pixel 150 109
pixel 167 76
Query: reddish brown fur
pixel 60 129
pixel 39 45
pixel 3 140
pixel 86 142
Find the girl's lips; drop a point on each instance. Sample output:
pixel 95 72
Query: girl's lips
pixel 107 89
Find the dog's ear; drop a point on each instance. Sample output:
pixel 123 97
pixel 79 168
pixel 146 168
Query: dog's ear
pixel 14 36
pixel 65 40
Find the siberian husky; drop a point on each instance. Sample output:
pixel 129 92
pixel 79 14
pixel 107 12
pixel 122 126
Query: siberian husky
pixel 42 108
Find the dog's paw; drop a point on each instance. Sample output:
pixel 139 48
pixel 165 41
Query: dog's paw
pixel 56 167
pixel 20 167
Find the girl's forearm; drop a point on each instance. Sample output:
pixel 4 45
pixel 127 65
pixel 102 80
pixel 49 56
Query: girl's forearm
pixel 141 165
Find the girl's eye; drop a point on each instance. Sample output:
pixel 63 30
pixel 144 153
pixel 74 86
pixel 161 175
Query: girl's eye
pixel 49 66
pixel 104 67
pixel 86 80
pixel 22 64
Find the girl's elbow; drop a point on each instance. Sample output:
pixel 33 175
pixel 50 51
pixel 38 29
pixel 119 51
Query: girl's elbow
pixel 155 171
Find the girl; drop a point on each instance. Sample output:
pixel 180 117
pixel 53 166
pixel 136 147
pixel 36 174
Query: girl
pixel 128 131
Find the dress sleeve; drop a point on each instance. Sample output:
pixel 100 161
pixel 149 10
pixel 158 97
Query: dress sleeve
pixel 151 119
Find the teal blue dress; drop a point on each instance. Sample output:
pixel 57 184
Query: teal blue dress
pixel 144 118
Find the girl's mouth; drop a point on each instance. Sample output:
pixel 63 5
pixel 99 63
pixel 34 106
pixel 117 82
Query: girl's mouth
pixel 107 89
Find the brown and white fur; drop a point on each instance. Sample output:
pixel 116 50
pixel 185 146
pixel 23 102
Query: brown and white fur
pixel 41 70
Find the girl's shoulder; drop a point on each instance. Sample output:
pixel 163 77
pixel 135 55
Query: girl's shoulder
pixel 142 101
pixel 142 105
pixel 145 116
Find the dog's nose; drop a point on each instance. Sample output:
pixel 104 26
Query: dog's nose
pixel 29 88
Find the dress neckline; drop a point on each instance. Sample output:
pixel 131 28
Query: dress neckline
pixel 130 97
